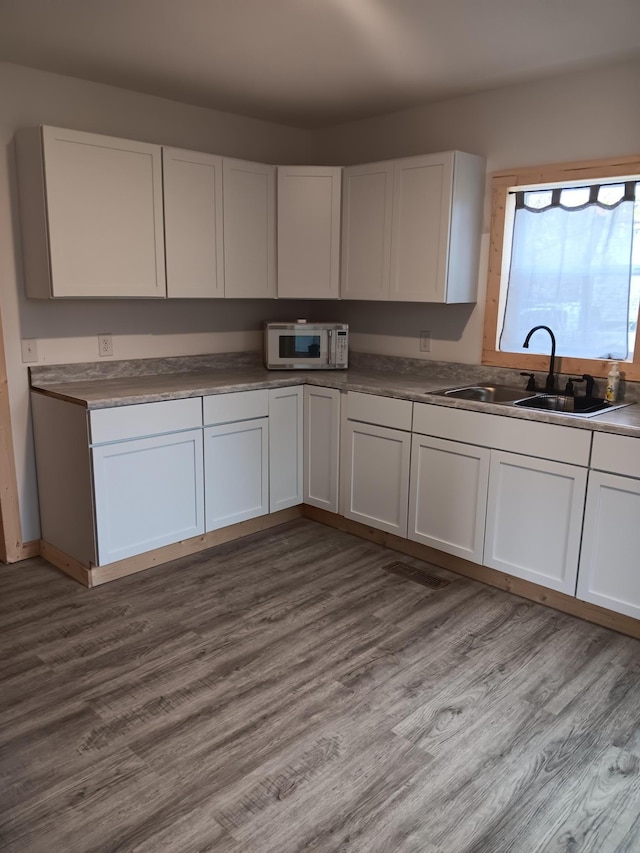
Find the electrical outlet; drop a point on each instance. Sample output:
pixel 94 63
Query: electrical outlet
pixel 425 341
pixel 105 344
pixel 29 350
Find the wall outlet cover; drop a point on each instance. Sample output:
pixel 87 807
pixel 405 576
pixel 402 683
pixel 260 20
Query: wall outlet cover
pixel 425 341
pixel 105 344
pixel 29 350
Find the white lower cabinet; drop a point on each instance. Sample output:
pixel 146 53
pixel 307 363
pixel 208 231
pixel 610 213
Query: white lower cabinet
pixel 321 447
pixel 117 482
pixel 499 491
pixel 375 454
pixel 534 519
pixel 534 499
pixel 609 564
pixel 147 476
pixel 377 476
pixel 285 447
pixel 236 468
pixel 236 457
pixel 148 493
pixel 448 496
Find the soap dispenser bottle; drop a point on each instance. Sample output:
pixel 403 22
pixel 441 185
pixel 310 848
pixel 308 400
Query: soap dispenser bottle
pixel 613 380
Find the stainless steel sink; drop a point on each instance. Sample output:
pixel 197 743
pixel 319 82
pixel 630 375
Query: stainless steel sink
pixel 506 395
pixel 577 407
pixel 486 393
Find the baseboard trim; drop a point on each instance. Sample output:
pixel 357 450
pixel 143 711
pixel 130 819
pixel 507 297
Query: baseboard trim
pixel 65 563
pixel 29 549
pixel 91 576
pixel 525 589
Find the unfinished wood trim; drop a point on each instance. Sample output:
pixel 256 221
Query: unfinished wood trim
pixel 546 174
pixel 492 301
pixel 29 549
pixel 65 563
pixel 508 583
pixel 578 366
pixel 10 529
pixel 636 349
pixel 159 556
pixel 573 170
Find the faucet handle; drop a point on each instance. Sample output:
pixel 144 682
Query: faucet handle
pixel 569 389
pixel 531 384
pixel 590 384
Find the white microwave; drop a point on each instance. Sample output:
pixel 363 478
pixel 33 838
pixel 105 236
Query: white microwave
pixel 306 346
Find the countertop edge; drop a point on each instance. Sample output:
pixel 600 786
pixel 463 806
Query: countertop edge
pixel 404 387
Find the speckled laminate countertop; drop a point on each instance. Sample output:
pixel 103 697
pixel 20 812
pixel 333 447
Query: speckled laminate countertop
pixel 100 393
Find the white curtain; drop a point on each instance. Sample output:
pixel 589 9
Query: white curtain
pixel 571 271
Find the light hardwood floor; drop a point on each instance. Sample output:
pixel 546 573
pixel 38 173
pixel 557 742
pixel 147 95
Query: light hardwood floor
pixel 284 693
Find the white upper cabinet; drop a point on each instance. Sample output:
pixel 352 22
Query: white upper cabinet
pixel 420 228
pixel 193 223
pixel 309 232
pixel 366 228
pixel 91 210
pixel 249 229
pixel 412 227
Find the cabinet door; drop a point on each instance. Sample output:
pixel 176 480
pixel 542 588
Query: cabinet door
pixel 148 493
pixel 609 566
pixel 285 447
pixel 376 476
pixel 104 205
pixel 321 446
pixel 309 232
pixel 366 231
pixel 448 496
pixel 236 472
pixel 192 185
pixel 249 194
pixel 421 219
pixel 534 519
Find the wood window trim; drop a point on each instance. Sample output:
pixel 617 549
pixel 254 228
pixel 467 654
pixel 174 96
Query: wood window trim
pixel 589 170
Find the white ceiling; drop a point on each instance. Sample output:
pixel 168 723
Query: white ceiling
pixel 313 63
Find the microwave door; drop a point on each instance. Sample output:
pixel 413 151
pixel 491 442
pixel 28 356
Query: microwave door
pixel 295 348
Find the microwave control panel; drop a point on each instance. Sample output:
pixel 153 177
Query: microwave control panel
pixel 341 349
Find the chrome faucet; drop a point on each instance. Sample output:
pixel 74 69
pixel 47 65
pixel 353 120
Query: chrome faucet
pixel 550 384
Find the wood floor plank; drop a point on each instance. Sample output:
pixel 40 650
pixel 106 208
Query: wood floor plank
pixel 342 810
pixel 115 804
pixel 285 693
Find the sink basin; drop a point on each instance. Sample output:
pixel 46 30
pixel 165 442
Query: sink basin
pixel 487 393
pixel 577 407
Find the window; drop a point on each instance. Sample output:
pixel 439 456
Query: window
pixel 565 253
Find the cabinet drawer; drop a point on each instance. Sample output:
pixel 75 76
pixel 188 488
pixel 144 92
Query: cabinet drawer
pixel 383 411
pixel 548 441
pixel 618 454
pixel 144 419
pixel 238 406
